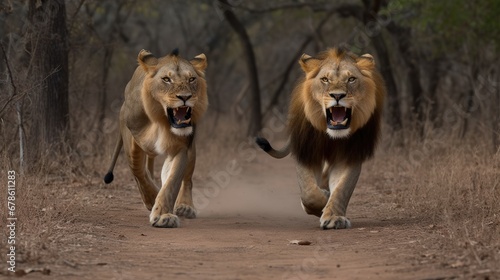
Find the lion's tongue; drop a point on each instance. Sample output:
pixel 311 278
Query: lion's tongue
pixel 180 113
pixel 338 114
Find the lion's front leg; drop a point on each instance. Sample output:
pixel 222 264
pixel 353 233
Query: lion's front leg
pixel 173 172
pixel 312 197
pixel 342 181
pixel 184 206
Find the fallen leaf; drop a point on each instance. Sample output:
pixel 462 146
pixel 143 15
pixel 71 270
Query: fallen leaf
pixel 22 272
pixel 300 242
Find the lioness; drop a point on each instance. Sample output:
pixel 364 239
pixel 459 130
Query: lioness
pixel 164 100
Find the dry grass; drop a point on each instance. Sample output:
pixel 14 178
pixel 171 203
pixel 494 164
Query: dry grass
pixel 49 228
pixel 48 201
pixel 452 186
pixel 38 220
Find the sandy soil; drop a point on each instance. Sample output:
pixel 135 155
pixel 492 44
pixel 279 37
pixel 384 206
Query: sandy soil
pixel 243 231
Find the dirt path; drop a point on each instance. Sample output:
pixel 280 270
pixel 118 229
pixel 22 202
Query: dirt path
pixel 243 233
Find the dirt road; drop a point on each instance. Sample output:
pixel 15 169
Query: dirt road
pixel 243 231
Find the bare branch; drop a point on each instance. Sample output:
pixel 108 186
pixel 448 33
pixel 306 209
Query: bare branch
pixel 293 61
pixel 11 78
pixel 73 17
pixel 315 6
pixel 256 123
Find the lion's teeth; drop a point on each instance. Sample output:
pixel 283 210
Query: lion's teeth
pixel 344 122
pixel 184 121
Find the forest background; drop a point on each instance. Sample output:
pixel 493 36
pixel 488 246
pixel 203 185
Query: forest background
pixel 65 65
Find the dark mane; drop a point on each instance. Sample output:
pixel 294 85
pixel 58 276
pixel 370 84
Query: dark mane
pixel 310 143
pixel 312 147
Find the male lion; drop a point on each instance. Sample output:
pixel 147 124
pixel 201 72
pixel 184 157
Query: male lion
pixel 164 100
pixel 334 122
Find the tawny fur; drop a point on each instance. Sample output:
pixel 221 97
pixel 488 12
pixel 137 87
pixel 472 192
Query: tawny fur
pixel 328 167
pixel 146 132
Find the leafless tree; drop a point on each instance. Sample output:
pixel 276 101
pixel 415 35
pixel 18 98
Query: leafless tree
pixel 48 47
pixel 255 124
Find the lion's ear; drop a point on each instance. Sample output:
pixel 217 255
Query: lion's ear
pixel 366 61
pixel 199 62
pixel 308 63
pixel 147 60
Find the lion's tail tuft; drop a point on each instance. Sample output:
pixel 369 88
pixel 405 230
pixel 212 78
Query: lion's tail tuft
pixel 108 178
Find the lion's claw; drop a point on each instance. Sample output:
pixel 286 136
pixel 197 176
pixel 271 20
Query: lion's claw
pixel 334 222
pixel 186 211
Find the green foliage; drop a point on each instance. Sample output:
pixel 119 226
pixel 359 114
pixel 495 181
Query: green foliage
pixel 452 22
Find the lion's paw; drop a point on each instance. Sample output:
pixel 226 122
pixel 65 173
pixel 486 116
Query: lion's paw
pixel 184 210
pixel 167 220
pixel 334 222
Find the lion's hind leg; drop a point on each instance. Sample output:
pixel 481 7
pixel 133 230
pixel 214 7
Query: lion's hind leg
pixel 342 181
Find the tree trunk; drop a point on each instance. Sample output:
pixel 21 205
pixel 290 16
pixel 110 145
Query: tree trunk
pixel 367 14
pixel 433 74
pixel 256 117
pixel 469 98
pixel 495 117
pixel 403 40
pixel 103 90
pixel 48 44
pixel 13 93
pixel 395 120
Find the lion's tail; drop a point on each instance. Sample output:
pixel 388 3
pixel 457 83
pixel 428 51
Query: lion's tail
pixel 264 145
pixel 108 178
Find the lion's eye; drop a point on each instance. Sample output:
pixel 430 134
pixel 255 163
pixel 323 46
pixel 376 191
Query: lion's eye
pixel 324 80
pixel 192 79
pixel 167 80
pixel 351 79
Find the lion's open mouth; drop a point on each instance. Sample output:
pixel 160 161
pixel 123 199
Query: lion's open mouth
pixel 180 117
pixel 338 117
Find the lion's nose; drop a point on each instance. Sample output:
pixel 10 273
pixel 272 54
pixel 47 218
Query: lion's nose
pixel 338 96
pixel 184 97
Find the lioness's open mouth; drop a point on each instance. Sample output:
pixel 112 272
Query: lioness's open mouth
pixel 338 117
pixel 179 117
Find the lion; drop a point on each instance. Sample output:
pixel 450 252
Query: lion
pixel 164 101
pixel 333 127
